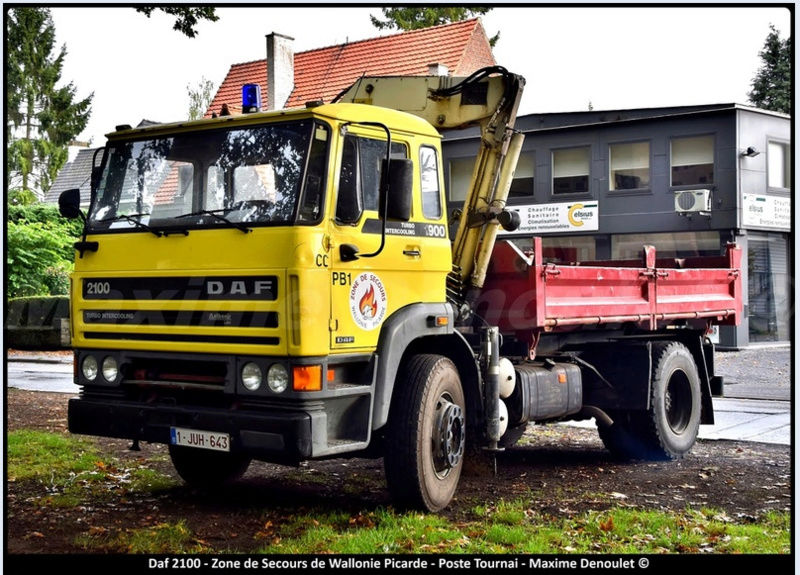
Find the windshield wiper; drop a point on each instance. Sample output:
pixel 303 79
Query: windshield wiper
pixel 131 218
pixel 216 214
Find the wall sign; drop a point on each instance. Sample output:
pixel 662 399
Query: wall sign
pixel 766 211
pixel 562 217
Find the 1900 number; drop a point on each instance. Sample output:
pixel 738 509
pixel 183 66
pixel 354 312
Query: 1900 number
pixel 98 288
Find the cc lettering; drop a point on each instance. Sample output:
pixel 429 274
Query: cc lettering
pixel 322 260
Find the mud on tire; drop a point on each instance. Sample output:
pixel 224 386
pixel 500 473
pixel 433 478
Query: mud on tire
pixel 425 437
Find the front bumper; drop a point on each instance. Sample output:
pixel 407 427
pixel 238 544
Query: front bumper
pixel 271 435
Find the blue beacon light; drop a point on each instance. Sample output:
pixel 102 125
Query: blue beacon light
pixel 251 98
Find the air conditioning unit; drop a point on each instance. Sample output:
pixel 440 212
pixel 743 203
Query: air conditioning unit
pixel 693 201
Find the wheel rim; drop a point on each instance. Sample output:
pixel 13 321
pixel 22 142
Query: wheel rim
pixel 678 402
pixel 448 436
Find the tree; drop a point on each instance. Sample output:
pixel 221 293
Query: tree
pixel 772 84
pixel 425 17
pixel 200 97
pixel 186 17
pixel 41 116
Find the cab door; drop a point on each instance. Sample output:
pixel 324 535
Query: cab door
pixel 366 290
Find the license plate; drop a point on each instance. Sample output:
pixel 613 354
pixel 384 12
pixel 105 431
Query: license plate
pixel 200 439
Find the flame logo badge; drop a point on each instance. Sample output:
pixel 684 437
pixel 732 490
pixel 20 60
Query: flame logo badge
pixel 368 301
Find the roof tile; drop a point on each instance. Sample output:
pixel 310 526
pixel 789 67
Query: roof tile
pixel 321 74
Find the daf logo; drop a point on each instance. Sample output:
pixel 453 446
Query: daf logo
pixel 239 287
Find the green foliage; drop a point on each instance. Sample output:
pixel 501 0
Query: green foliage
pixel 200 97
pixel 39 252
pixel 18 197
pixel 425 17
pixel 772 84
pixel 42 116
pixel 186 17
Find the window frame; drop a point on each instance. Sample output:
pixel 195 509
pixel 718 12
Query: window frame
pixel 650 156
pixel 573 194
pixel 438 179
pixel 787 162
pixel 714 161
pixel 362 209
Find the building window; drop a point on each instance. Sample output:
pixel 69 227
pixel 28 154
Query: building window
pixel 692 161
pixel 429 175
pixel 571 171
pixel 460 176
pixel 668 245
pixel 779 167
pixel 522 185
pixel 769 288
pixel 567 250
pixel 629 166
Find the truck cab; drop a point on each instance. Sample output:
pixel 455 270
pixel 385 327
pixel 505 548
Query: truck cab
pixel 236 273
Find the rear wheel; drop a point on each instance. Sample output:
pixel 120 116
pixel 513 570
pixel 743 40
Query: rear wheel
pixel 673 420
pixel 205 468
pixel 426 433
pixel 668 429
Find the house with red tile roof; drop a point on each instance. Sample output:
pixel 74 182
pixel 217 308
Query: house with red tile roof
pixel 456 49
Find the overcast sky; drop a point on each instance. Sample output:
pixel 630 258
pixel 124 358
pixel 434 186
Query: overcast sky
pixel 612 57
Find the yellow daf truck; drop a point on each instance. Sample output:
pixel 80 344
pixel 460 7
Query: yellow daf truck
pixel 282 286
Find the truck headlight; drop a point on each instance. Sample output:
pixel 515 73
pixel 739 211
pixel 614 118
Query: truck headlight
pixel 251 376
pixel 277 378
pixel 110 369
pixel 89 367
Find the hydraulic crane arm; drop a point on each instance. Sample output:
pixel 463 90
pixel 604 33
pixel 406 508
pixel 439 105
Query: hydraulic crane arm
pixel 489 98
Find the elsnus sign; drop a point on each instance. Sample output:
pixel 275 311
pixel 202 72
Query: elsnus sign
pixel 263 288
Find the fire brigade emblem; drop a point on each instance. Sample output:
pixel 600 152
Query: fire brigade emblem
pixel 368 301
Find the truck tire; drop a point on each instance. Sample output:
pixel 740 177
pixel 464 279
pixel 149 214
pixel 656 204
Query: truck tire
pixel 620 438
pixel 670 426
pixel 668 429
pixel 204 468
pixel 425 433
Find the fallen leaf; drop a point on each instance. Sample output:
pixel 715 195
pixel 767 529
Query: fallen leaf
pixel 607 525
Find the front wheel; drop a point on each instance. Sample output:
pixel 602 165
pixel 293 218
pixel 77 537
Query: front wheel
pixel 426 433
pixel 205 468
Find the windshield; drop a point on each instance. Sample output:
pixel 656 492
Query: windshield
pixel 263 175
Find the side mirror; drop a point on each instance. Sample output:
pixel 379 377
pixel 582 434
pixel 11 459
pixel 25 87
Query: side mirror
pixel 398 181
pixel 69 204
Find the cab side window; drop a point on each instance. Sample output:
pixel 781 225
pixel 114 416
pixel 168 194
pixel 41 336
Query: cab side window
pixel 359 178
pixel 429 176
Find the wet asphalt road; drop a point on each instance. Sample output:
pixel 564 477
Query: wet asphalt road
pixel 756 406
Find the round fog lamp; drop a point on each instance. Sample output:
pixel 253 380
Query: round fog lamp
pixel 277 377
pixel 89 367
pixel 251 376
pixel 110 369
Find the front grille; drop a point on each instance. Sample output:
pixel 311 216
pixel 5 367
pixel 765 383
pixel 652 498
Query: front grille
pixel 183 337
pixel 149 371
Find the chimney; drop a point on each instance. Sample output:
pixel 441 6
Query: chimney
pixel 437 69
pixel 280 70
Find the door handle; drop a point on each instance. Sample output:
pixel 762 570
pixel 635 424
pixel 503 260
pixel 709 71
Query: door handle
pixel 412 253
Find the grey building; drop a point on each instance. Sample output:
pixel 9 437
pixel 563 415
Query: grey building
pixel 688 180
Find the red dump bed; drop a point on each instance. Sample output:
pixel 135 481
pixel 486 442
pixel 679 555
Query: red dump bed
pixel 524 294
